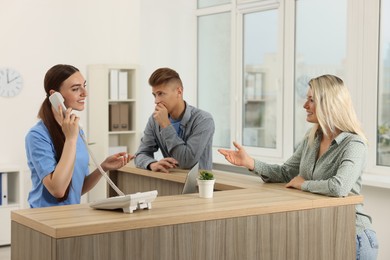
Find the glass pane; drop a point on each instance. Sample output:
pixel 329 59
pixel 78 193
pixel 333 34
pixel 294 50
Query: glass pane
pixel 383 152
pixel 214 73
pixel 260 72
pixel 321 35
pixel 208 3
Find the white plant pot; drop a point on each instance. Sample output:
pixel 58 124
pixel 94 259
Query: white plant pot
pixel 206 188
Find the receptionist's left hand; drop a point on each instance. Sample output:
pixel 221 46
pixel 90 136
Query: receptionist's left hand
pixel 116 161
pixel 296 183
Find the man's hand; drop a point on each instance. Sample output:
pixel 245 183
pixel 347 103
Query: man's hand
pixel 164 165
pixel 160 114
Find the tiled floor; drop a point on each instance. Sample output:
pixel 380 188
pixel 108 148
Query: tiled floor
pixel 5 252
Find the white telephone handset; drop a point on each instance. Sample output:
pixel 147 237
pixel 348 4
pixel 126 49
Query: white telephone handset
pixel 57 99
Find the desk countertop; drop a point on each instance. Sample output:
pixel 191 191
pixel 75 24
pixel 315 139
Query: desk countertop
pixel 240 195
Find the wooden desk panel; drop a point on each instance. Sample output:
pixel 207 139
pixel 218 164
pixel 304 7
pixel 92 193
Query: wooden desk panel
pixel 249 220
pixel 308 234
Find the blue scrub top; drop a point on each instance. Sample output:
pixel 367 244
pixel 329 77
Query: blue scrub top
pixel 41 159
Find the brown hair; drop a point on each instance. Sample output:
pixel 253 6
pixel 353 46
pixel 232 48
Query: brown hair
pixel 163 76
pixel 54 78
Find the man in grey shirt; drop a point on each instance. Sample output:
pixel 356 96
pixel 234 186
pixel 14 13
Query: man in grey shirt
pixel 183 133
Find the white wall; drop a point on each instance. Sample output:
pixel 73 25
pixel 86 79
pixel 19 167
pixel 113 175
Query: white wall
pixel 167 39
pixel 38 34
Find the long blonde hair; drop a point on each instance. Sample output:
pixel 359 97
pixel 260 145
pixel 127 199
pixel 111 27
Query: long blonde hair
pixel 334 108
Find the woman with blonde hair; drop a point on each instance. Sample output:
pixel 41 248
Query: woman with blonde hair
pixel 329 160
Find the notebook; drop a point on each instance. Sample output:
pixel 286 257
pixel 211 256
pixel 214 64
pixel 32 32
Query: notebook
pixel 190 185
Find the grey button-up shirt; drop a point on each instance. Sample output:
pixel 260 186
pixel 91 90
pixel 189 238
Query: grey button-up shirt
pixel 193 145
pixel 336 173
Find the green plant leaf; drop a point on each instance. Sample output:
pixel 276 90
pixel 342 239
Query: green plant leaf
pixel 206 175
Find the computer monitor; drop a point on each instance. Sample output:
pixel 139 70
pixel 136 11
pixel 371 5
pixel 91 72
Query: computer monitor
pixel 190 185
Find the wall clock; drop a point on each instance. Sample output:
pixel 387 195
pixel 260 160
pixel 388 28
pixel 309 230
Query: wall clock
pixel 11 82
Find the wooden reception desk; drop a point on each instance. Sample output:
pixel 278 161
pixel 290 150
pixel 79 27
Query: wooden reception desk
pixel 246 219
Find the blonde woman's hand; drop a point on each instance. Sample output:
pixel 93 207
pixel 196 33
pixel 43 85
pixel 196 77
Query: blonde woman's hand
pixel 296 182
pixel 238 157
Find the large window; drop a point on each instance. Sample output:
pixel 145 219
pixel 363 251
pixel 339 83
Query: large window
pixel 246 104
pixel 256 57
pixel 261 74
pixel 214 72
pixel 383 148
pixel 320 49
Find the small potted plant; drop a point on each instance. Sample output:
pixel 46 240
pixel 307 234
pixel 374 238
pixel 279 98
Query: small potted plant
pixel 206 184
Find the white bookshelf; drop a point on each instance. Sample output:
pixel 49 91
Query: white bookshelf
pixel 13 201
pixel 100 134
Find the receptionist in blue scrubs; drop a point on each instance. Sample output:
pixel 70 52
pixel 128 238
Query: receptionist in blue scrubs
pixel 56 154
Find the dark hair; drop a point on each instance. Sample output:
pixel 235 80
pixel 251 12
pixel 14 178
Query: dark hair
pixel 163 76
pixel 54 78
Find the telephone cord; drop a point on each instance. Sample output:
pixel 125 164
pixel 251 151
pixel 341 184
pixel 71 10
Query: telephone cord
pixel 112 184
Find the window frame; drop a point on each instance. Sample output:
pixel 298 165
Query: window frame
pixel 362 76
pixel 241 12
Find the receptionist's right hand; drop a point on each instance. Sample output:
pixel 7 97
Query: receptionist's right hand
pixel 70 125
pixel 164 165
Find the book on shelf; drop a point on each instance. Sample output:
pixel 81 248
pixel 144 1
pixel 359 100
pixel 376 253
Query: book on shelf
pixel 124 116
pixel 122 85
pixel 4 188
pixel 114 84
pixel 114 117
pixel 119 117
